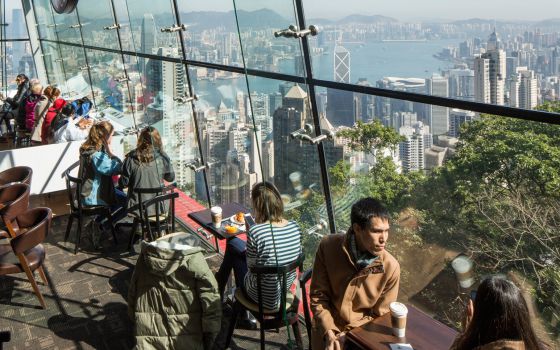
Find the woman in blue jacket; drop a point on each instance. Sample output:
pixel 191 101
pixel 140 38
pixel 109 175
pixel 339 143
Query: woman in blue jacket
pixel 98 165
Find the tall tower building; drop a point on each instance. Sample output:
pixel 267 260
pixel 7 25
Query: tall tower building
pixel 292 155
pixel 340 104
pixel 497 69
pixel 341 65
pixel 438 117
pixel 482 79
pixel 148 39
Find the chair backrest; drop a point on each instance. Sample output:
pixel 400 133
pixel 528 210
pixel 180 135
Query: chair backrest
pixel 35 225
pixel 281 271
pixel 73 188
pixel 15 198
pixel 21 174
pixel 157 214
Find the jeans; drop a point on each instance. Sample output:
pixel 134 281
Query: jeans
pixel 234 258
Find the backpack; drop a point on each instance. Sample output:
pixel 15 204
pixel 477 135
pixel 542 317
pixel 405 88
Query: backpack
pixel 82 106
pixel 58 122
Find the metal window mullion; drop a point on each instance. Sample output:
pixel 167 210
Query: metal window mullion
pixel 316 122
pixel 86 58
pixel 130 94
pixel 191 93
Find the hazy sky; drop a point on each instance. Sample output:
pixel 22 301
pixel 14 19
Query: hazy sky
pixel 399 9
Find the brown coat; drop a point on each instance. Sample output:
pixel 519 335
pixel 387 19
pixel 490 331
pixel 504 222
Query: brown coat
pixel 342 297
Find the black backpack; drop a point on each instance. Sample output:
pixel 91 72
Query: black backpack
pixel 58 121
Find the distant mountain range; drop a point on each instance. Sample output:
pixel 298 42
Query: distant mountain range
pixel 266 18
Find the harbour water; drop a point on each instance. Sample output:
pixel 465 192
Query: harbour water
pixel 372 61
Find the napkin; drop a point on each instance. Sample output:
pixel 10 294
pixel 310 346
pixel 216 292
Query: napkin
pixel 401 346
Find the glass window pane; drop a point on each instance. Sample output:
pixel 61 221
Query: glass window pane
pixel 147 24
pixel 45 19
pixel 258 21
pixel 511 62
pixel 15 27
pixel 68 28
pixel 281 108
pixel 77 78
pixel 94 17
pixel 53 65
pixel 204 40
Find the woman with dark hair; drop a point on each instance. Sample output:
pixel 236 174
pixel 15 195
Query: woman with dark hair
pixel 147 166
pixel 14 104
pixel 498 320
pixel 272 241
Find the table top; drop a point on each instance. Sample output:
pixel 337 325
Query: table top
pixel 204 219
pixel 422 333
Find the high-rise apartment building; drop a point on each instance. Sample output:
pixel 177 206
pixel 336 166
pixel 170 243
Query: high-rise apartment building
pixel 482 79
pixel 438 117
pixel 411 151
pixel 458 117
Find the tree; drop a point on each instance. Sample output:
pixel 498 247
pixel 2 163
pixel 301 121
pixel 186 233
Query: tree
pixel 370 137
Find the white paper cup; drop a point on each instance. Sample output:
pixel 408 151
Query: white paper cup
pixel 462 266
pixel 216 214
pixel 399 313
pixel 295 178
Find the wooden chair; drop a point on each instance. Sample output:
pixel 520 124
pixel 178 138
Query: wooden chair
pixel 26 246
pixel 5 337
pixel 79 211
pixel 154 215
pixel 14 200
pixel 21 174
pixel 270 319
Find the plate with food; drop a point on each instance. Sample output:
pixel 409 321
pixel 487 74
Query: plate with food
pixel 231 230
pixel 238 218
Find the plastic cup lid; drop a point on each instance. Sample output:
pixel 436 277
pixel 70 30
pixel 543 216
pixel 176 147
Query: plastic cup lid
pixel 398 308
pixel 461 264
pixel 215 210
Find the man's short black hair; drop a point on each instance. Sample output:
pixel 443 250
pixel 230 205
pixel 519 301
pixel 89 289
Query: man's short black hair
pixel 365 209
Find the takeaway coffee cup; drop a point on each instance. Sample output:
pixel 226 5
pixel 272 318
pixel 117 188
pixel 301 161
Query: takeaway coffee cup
pixel 399 311
pixel 216 213
pixel 462 266
pixel 295 178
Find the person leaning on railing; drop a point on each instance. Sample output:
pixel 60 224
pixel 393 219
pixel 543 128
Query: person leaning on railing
pixel 498 320
pixel 354 278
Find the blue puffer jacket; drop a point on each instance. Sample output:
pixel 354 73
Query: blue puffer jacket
pixel 96 170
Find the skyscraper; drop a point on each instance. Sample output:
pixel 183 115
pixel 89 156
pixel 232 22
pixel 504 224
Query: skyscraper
pixel 341 65
pixel 482 79
pixel 340 104
pixel 438 117
pixel 411 151
pixel 147 38
pixel 528 90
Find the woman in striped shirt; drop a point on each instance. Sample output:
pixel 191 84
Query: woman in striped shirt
pixel 273 241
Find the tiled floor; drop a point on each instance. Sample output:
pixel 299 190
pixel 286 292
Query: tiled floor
pixel 86 300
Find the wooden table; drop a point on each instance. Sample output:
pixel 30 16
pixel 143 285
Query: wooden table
pixel 204 219
pixel 422 333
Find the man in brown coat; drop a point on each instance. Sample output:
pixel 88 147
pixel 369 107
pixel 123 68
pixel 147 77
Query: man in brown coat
pixel 354 277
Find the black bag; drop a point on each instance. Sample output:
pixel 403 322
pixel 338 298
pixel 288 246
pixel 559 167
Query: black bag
pixel 58 122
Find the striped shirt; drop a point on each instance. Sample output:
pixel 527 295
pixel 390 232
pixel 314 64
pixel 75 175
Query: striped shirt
pixel 263 251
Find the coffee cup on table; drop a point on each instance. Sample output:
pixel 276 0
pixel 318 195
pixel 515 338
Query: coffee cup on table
pixel 462 266
pixel 216 214
pixel 399 313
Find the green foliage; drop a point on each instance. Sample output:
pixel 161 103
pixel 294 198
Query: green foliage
pixel 370 137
